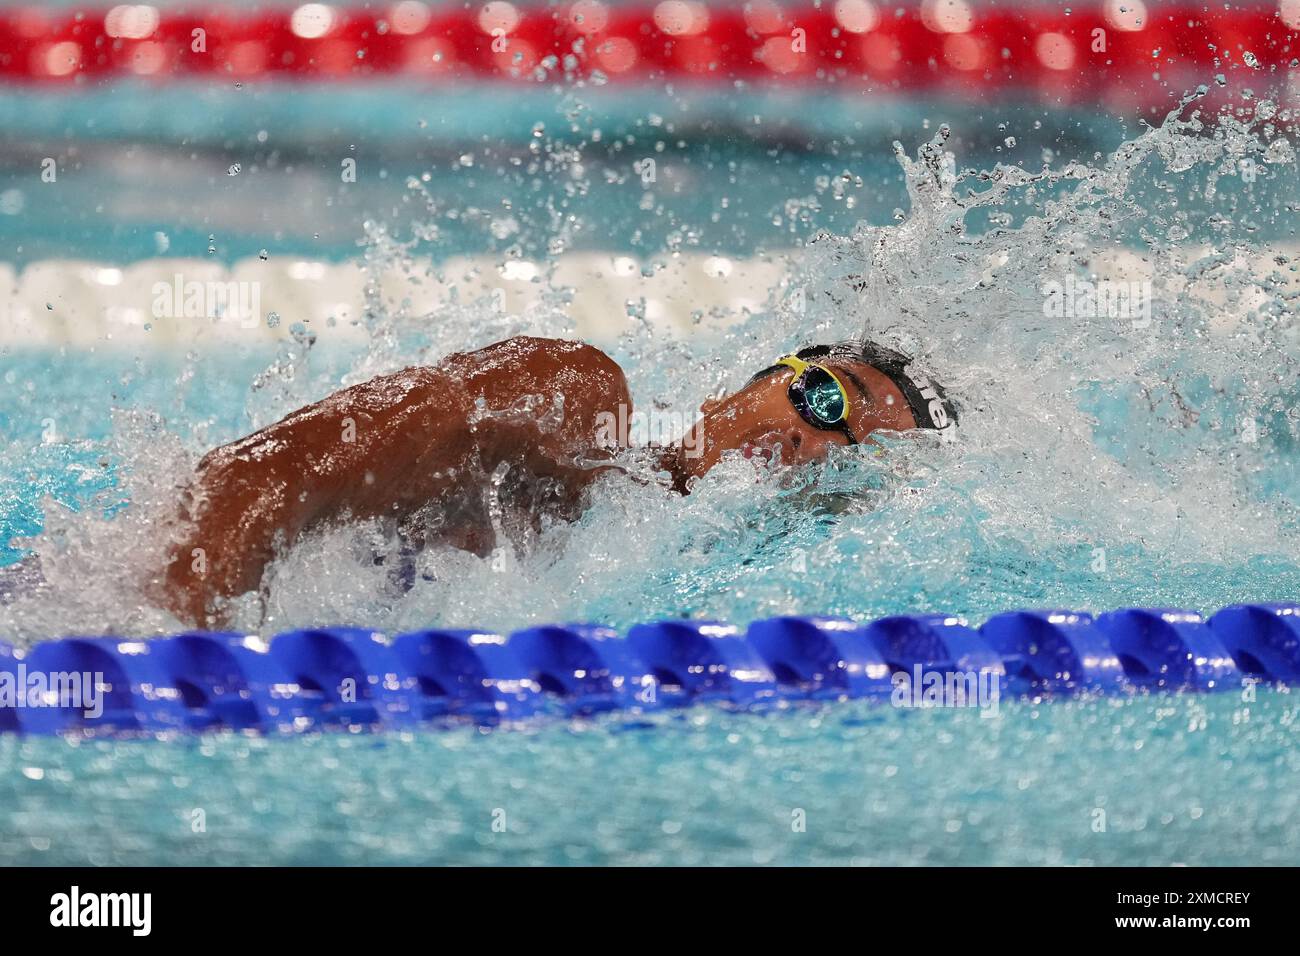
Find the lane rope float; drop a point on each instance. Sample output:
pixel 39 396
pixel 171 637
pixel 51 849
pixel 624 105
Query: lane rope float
pixel 1118 52
pixel 355 678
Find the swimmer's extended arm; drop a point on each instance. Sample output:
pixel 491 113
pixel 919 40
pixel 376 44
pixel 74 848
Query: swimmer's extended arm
pixel 387 448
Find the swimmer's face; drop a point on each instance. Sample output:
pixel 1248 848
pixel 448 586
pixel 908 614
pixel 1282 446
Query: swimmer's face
pixel 760 418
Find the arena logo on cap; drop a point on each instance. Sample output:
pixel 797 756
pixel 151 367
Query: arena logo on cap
pixel 935 406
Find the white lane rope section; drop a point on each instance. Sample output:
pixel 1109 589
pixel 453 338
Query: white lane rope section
pixel 175 302
pixel 178 302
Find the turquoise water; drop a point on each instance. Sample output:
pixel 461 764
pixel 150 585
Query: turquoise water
pixel 144 169
pixel 1166 780
pixel 134 143
pixel 722 554
pixel 1099 465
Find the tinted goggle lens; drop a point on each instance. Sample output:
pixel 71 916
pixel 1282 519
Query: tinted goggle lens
pixel 816 394
pixel 823 402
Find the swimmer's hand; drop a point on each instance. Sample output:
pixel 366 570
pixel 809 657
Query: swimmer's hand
pixel 419 438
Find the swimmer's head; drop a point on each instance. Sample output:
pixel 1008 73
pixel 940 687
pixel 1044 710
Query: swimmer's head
pixel 822 395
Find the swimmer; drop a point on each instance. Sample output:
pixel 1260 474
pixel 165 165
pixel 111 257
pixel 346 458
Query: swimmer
pixel 416 449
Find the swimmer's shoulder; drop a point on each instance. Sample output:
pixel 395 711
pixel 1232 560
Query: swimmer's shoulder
pixel 551 363
pixel 528 348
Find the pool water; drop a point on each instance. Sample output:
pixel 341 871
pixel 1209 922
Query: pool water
pixel 1100 462
pixel 148 174
pixel 1162 780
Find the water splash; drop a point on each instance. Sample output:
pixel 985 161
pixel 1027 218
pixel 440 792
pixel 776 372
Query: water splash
pixel 1102 459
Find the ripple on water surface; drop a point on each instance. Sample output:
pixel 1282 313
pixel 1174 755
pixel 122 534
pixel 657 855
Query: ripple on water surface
pixel 1165 779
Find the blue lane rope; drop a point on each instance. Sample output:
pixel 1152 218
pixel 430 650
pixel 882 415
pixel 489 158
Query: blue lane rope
pixel 352 677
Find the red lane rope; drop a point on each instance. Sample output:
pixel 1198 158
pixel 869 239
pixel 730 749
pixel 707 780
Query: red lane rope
pixel 1117 50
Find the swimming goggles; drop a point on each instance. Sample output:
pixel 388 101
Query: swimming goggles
pixel 818 396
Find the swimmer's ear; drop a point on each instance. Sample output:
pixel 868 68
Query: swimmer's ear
pixel 710 404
